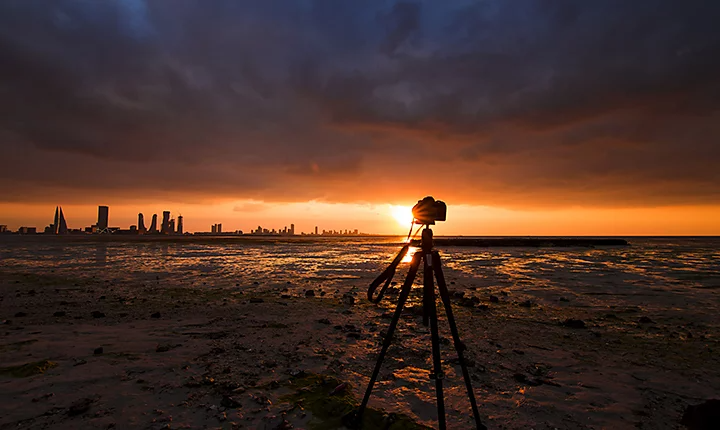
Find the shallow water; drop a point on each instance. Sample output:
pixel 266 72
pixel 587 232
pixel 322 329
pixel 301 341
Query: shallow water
pixel 652 272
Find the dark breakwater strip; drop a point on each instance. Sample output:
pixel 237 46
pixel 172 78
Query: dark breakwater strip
pixel 530 242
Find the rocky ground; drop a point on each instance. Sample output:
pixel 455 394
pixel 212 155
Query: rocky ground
pixel 96 353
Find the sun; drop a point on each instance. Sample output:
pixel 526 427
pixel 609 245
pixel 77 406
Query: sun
pixel 402 214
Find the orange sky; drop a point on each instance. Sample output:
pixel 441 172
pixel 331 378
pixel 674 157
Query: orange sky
pixel 545 119
pixel 462 219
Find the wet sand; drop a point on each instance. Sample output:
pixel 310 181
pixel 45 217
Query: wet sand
pixel 235 355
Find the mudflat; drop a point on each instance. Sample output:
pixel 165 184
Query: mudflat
pixel 94 351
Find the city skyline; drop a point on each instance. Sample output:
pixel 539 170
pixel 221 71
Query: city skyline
pixel 379 219
pixel 59 226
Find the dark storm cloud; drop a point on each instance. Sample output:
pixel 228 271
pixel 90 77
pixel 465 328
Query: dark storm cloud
pixel 512 103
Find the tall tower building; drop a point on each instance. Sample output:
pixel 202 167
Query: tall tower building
pixel 165 228
pixel 103 217
pixel 219 228
pixel 153 224
pixel 292 229
pixel 316 230
pixel 180 224
pixel 59 226
pixel 171 226
pixel 141 223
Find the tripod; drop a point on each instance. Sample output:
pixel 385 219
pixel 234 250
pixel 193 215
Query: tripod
pixel 432 264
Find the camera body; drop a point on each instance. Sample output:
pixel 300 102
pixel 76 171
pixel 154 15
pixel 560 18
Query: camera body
pixel 429 210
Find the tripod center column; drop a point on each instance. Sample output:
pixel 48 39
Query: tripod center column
pixel 427 240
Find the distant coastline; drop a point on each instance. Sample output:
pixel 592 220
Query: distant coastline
pixel 441 241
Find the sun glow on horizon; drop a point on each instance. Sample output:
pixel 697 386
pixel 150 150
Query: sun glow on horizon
pixel 402 214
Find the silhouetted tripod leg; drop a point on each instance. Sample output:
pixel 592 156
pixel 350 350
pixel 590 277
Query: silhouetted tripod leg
pixel 404 293
pixel 431 313
pixel 459 345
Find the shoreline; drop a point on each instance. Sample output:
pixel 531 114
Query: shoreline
pixel 394 240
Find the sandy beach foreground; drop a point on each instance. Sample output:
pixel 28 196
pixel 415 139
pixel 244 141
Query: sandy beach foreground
pixel 93 352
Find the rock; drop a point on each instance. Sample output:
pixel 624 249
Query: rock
pixel 230 402
pixel 564 299
pixel 350 327
pixel 705 416
pixel 348 299
pixel 483 307
pixel 324 321
pixel 59 314
pixel 458 294
pixel 494 299
pixel 573 323
pixel 79 407
pixel 525 304
pixel 97 314
pixel 256 300
pixel 285 296
pixel 339 389
pixel 155 315
pixel 79 362
pixel 354 335
pixel 468 302
pixel 309 293
pixel 519 377
pixel 20 314
pixel 518 352
pixel 162 348
pixel 98 350
pixel 645 320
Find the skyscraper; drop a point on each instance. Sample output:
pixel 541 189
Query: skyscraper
pixel 153 224
pixel 165 228
pixel 141 223
pixel 103 216
pixel 316 230
pixel 59 226
pixel 180 224
pixel 292 229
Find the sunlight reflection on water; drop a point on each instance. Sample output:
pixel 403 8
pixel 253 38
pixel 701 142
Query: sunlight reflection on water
pixel 666 264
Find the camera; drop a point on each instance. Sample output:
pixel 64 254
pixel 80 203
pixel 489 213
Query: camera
pixel 429 210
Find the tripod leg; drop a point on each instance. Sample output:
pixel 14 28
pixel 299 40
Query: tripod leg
pixel 404 293
pixel 459 346
pixel 431 314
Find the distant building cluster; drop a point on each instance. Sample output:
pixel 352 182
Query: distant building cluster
pixel 168 226
pixel 260 231
pixel 102 226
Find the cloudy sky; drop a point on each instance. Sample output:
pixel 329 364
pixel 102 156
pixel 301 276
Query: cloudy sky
pixel 534 112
